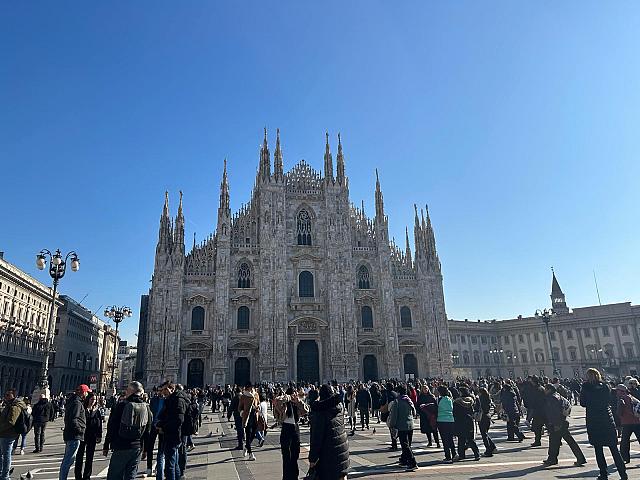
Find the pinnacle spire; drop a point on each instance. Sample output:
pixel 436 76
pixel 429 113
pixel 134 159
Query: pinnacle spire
pixel 165 210
pixel 180 214
pixel 264 171
pixel 328 161
pixel 340 163
pixel 278 169
pixel 224 190
pixel 379 199
pixel 407 247
pixel 558 299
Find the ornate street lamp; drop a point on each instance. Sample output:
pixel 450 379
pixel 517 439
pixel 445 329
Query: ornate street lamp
pixel 57 269
pixel 546 316
pixel 497 354
pixel 117 314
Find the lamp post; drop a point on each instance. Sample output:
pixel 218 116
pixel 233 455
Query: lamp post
pixel 57 269
pixel 497 353
pixel 546 315
pixel 117 314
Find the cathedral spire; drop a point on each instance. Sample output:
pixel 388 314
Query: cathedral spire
pixel 265 159
pixel 340 163
pixel 379 199
pixel 328 161
pixel 407 247
pixel 178 234
pixel 224 189
pixel 430 244
pixel 165 210
pixel 277 158
pixel 164 233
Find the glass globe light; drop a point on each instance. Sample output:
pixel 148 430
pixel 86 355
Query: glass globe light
pixel 40 262
pixel 57 260
pixel 75 264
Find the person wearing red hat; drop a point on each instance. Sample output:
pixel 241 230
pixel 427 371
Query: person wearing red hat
pixel 75 423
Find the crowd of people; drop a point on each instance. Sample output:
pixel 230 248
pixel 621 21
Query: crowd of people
pixel 160 424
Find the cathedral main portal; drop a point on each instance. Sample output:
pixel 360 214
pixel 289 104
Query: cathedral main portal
pixel 308 361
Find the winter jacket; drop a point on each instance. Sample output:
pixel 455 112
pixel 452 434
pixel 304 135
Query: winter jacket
pixel 601 428
pixel 113 439
pixel 363 399
pixel 401 412
pixel 156 404
pixel 248 407
pixel 463 415
pixel 93 432
pixel 328 442
pixel 75 421
pixel 509 402
pixel 553 411
pixel 171 417
pixel 537 402
pixel 9 416
pixel 428 409
pixel 43 411
pixel 625 410
pixel 485 404
pixel 376 398
pixel 191 418
pixel 445 410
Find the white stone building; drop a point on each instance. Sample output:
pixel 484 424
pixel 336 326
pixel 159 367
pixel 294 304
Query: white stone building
pixel 606 337
pixel 298 284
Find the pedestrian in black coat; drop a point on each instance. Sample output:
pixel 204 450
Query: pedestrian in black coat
pixel 42 413
pixel 328 449
pixel 511 406
pixel 92 436
pixel 601 427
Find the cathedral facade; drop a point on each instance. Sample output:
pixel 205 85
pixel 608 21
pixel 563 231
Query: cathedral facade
pixel 297 285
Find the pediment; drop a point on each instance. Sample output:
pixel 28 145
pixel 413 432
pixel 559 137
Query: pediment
pixel 365 297
pixel 411 342
pixel 199 346
pixel 371 342
pixel 404 299
pixel 244 298
pixel 243 345
pixel 305 321
pixel 198 299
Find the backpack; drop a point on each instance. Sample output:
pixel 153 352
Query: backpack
pixel 566 406
pixel 23 422
pixel 635 407
pixel 477 410
pixel 135 418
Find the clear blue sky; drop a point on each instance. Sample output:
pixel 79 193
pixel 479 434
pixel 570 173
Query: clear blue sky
pixel 517 122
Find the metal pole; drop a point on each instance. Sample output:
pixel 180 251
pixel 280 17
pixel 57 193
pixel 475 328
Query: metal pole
pixel 113 365
pixel 44 379
pixel 546 319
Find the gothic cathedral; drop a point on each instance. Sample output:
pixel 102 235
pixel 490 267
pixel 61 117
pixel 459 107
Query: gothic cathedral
pixel 297 285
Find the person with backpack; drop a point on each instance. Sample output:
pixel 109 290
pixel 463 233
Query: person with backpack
pixel 75 423
pixel 189 428
pixel 12 423
pixel 601 427
pixel 127 430
pixel 557 409
pixel 21 439
pixel 629 411
pixel 43 413
pixel 92 436
pixel 249 406
pixel 401 413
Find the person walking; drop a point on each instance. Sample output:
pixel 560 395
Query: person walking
pixel 288 409
pixel 75 423
pixel 127 430
pixel 169 426
pixel 601 427
pixel 92 436
pixel 11 424
pixel 428 410
pixel 556 412
pixel 389 395
pixel 21 440
pixel 463 409
pixel 536 407
pixel 156 404
pixel 401 413
pixel 511 406
pixel 328 446
pixel 232 411
pixel 445 422
pixel 248 407
pixel 630 423
pixel 485 421
pixel 363 402
pixel 43 413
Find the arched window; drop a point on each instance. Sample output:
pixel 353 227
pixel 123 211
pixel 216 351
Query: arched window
pixel 244 276
pixel 366 317
pixel 465 357
pixel 485 357
pixel 363 277
pixel 405 317
pixel 305 284
pixel 303 228
pixel 243 318
pixel 197 318
pixel 476 357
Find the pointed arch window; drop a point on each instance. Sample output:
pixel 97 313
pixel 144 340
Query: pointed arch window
pixel 303 228
pixel 244 276
pixel 243 318
pixel 366 317
pixel 363 278
pixel 405 317
pixel 197 318
pixel 305 284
